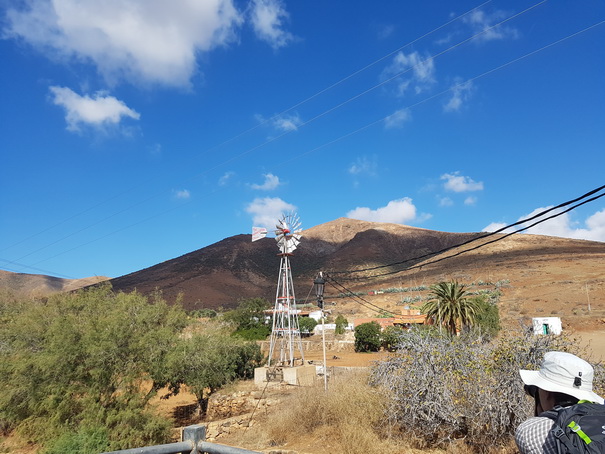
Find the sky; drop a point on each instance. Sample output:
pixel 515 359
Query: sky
pixel 135 131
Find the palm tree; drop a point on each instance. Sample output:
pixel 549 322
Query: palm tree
pixel 449 305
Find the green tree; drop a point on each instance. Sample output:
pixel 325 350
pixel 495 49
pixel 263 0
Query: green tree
pixel 390 337
pixel 367 337
pixel 307 325
pixel 341 324
pixel 207 361
pixel 450 306
pixel 487 318
pixel 249 319
pixel 91 359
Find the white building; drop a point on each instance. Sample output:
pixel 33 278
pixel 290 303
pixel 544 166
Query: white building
pixel 547 325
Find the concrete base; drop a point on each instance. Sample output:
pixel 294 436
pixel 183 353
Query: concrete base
pixel 298 375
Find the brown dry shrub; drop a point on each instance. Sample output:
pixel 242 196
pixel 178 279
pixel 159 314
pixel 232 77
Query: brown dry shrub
pixel 446 391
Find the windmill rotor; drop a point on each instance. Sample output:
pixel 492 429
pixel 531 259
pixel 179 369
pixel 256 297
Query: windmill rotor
pixel 288 232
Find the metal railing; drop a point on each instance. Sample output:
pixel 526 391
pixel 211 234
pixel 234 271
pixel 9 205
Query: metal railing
pixel 193 443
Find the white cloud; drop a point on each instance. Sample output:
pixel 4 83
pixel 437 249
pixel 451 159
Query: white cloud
pixel 267 211
pixel 182 194
pixel 495 226
pixel 385 31
pixel 364 166
pixel 461 93
pixel 287 123
pixel 397 119
pixel 445 202
pixel 471 200
pixel 481 22
pixel 271 182
pixel 459 183
pixel 151 41
pixel 282 123
pixel 396 211
pixel 267 18
pixel 561 226
pixel 97 111
pixel 224 180
pixel 422 69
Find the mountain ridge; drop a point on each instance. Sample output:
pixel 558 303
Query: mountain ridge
pixel 220 274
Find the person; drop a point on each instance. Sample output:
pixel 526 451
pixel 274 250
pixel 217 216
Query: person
pixel 563 380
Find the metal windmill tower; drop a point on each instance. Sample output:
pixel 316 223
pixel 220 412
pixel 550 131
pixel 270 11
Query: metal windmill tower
pixel 285 335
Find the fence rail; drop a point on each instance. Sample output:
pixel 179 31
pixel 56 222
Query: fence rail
pixel 193 443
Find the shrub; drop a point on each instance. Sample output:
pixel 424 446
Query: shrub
pixel 443 388
pixel 367 337
pixel 78 359
pixel 341 324
pixel 487 318
pixel 390 337
pixel 249 319
pixel 90 440
pixel 307 325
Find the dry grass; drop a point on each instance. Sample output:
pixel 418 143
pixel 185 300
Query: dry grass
pixel 348 416
pixel 348 419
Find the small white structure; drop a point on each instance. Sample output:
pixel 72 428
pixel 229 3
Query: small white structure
pixel 547 325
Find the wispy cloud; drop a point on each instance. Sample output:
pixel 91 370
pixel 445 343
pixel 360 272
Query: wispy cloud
pixel 385 31
pixel 225 178
pixel 267 211
pixel 445 202
pixel 461 92
pixel 182 194
pixel 398 211
pixel 397 119
pixel 470 200
pixel 271 182
pixel 417 72
pixel 483 23
pixel 561 226
pixel 267 17
pixel 281 123
pixel 364 166
pixel 97 111
pixel 287 123
pixel 459 183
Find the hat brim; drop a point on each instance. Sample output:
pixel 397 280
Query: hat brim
pixel 532 377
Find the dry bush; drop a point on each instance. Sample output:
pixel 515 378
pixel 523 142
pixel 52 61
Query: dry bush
pixel 442 390
pixel 349 415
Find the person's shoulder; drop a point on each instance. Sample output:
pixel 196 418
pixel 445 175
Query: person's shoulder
pixel 532 434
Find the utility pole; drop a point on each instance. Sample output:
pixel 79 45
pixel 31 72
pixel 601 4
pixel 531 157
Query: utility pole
pixel 320 283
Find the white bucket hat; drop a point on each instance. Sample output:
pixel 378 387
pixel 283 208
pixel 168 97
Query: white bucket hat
pixel 563 373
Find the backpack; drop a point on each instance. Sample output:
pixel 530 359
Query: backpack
pixel 579 429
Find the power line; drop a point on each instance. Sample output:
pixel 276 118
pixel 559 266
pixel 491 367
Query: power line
pixel 240 134
pixel 373 307
pixel 350 133
pixel 479 238
pixel 464 243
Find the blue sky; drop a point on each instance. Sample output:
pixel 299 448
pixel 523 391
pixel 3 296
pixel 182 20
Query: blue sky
pixel 135 131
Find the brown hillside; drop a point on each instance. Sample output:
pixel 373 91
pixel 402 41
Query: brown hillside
pixel 29 285
pixel 543 276
pixel 234 268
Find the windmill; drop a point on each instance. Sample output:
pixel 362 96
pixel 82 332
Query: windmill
pixel 285 334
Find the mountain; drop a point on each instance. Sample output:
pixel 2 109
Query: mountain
pixel 543 276
pixel 234 268
pixel 22 284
